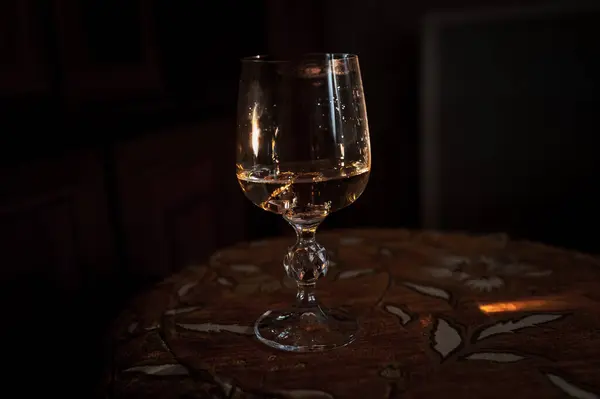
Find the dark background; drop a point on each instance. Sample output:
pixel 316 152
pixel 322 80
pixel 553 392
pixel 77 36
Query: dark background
pixel 117 129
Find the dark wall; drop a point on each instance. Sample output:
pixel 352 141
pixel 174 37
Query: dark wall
pixel 513 114
pixel 117 126
pixel 76 75
pixel 387 37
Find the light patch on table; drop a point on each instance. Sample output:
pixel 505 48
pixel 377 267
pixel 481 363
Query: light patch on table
pixel 245 268
pixel 354 273
pixel 570 389
pixel 186 288
pixel 498 357
pixel 396 311
pixel 427 290
pixel 511 326
pixel 209 327
pixel 160 370
pixel 350 240
pixel 445 338
pixel 173 312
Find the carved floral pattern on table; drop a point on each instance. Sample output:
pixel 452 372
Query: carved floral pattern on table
pixel 472 316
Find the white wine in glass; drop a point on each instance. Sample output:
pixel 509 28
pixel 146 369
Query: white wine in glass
pixel 303 151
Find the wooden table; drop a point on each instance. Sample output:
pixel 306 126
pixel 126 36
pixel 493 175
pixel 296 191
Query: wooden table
pixel 442 315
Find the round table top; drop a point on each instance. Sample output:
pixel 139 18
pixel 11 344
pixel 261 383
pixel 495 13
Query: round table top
pixel 440 314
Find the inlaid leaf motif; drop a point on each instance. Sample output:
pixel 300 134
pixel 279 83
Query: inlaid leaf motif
pixel 453 262
pixel 160 370
pixel 354 273
pixel 393 373
pixel 512 326
pixel 445 338
pixel 386 252
pixel 209 327
pixel 498 357
pixel 486 284
pixel 570 389
pixel 426 290
pixel 173 312
pixel 186 288
pixel 132 327
pixel 303 394
pixel 226 385
pixel 224 281
pixel 401 314
pixel 245 268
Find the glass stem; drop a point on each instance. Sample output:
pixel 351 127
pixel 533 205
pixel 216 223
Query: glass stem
pixel 306 297
pixel 305 233
pixel 312 263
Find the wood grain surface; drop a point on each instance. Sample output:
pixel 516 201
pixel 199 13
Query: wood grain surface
pixel 442 315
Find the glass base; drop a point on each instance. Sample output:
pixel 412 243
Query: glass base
pixel 306 329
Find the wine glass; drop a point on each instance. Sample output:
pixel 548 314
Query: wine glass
pixel 303 151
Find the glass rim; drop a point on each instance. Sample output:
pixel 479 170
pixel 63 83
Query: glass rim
pixel 268 59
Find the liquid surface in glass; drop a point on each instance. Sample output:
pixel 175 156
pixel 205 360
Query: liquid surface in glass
pixel 305 191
